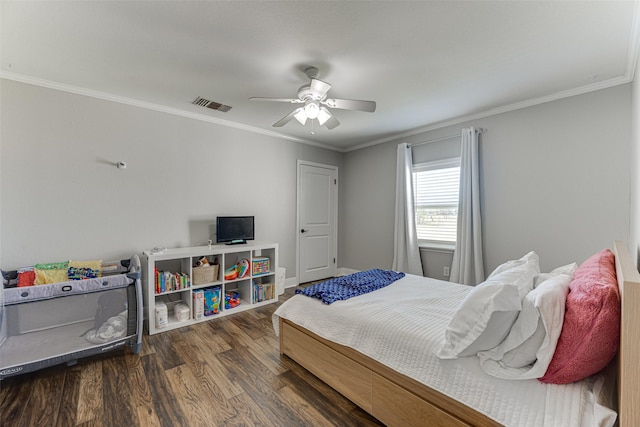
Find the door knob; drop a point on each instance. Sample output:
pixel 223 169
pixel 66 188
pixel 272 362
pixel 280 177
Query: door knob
pixel 303 230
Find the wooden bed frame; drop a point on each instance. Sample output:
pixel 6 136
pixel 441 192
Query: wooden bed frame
pixel 397 400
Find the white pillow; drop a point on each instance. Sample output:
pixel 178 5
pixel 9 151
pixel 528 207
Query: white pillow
pixel 569 269
pixel 530 257
pixel 529 347
pixel 487 313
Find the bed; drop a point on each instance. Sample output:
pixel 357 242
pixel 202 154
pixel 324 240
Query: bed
pixel 451 392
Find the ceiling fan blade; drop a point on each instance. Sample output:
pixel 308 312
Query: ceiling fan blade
pixel 319 87
pixel 351 104
pixel 286 119
pixel 290 100
pixel 332 122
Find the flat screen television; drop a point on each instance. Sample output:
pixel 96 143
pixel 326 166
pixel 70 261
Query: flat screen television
pixel 234 229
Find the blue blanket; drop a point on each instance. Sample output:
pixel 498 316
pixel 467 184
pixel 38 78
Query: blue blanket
pixel 345 287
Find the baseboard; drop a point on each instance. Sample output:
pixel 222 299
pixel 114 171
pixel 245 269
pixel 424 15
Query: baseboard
pixel 342 271
pixel 290 282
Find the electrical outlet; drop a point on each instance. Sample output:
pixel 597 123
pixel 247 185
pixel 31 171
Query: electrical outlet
pixel 445 271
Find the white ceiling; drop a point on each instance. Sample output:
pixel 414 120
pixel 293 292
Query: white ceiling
pixel 425 63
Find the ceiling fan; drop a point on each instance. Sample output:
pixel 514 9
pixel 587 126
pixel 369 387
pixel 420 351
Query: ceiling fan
pixel 314 97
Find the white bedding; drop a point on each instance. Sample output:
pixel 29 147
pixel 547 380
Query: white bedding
pixel 401 324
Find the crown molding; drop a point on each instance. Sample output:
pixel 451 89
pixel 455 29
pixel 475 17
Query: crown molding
pixel 500 110
pixel 151 106
pixel 633 53
pixel 627 78
pixel 634 44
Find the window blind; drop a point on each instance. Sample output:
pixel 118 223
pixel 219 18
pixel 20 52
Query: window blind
pixel 436 186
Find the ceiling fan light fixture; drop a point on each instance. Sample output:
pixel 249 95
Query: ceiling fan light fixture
pixel 312 110
pixel 314 97
pixel 323 116
pixel 301 116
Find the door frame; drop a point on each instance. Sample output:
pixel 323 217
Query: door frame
pixel 334 214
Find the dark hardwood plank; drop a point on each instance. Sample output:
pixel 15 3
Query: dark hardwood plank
pixel 117 392
pixel 90 406
pixel 266 350
pixel 163 347
pixel 259 385
pixel 303 409
pixel 45 398
pixel 226 371
pixel 140 393
pixel 249 325
pixel 209 332
pixel 146 416
pixel 210 393
pixel 192 398
pixel 71 394
pixel 251 374
pixel 213 370
pixel 250 413
pixel 15 398
pixel 167 412
pixel 335 407
pixel 235 335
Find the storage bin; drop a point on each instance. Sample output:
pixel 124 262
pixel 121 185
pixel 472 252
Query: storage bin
pixel 260 265
pixel 181 312
pixel 205 274
pixel 162 314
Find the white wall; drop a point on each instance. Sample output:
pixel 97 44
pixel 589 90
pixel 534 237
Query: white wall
pixel 555 179
pixel 62 197
pixel 1 127
pixel 367 200
pixel 634 155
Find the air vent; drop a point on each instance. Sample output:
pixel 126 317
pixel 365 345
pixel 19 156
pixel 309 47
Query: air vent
pixel 211 104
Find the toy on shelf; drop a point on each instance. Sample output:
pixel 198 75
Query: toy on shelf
pixel 212 300
pixel 260 265
pixel 202 262
pixel 238 270
pixel 243 267
pixel 231 299
pixel 231 273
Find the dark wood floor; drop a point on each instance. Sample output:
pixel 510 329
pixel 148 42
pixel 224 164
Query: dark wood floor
pixel 227 371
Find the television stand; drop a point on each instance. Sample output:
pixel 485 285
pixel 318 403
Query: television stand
pixel 171 281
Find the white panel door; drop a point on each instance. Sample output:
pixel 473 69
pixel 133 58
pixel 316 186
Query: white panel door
pixel 317 216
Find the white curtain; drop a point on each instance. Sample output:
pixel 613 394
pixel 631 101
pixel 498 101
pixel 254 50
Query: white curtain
pixel 406 253
pixel 467 267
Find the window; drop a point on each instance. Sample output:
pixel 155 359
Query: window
pixel 435 186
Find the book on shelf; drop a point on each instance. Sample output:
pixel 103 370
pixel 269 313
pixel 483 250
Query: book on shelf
pixel 263 292
pixel 166 281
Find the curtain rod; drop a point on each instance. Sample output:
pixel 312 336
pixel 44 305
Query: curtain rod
pixel 444 138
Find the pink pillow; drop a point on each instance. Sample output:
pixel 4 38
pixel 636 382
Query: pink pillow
pixel 591 329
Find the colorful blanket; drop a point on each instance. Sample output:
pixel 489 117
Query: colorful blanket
pixel 345 287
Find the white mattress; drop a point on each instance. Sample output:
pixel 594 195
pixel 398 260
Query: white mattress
pixel 401 324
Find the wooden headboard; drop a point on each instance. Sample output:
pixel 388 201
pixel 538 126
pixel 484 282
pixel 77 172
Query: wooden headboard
pixel 629 351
